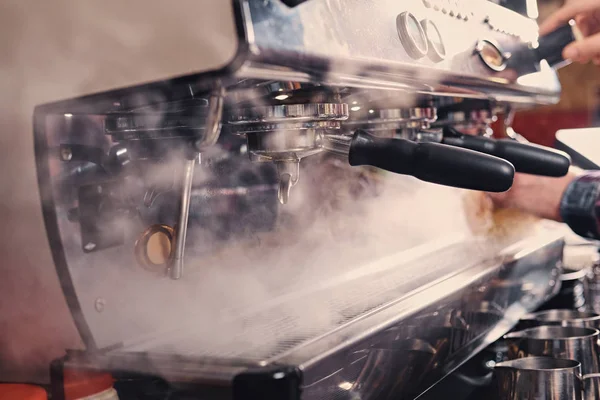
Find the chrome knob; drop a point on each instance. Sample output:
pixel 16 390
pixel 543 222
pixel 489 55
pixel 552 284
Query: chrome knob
pixel 436 47
pixel 412 35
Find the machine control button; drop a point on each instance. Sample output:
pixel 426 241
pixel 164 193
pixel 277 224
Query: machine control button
pixel 436 48
pixel 412 35
pixel 491 55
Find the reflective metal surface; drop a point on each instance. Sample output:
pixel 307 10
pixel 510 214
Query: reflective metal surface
pixel 572 293
pixel 396 350
pixel 580 344
pixel 592 287
pixel 582 319
pixel 591 386
pixel 397 58
pixel 539 378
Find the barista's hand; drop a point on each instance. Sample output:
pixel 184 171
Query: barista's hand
pixel 587 15
pixel 536 195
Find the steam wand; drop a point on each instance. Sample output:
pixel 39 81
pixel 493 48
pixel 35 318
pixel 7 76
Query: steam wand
pixel 208 138
pixel 176 269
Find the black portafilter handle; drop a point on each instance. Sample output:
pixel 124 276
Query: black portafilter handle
pixel 550 47
pixel 432 162
pixel 526 158
pixel 525 59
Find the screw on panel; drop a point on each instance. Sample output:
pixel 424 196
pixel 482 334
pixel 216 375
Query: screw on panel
pixel 99 304
pixel 66 154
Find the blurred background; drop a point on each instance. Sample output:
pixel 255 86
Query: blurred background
pixel 579 104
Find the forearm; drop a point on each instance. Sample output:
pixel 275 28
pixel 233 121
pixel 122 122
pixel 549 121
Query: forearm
pixel 537 195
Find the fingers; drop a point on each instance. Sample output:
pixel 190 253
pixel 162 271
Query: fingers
pixel 584 25
pixel 500 199
pixel 583 50
pixel 567 12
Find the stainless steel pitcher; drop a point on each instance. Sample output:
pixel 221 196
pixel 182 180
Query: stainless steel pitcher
pixel 582 319
pixel 591 387
pixel 574 343
pixel 538 378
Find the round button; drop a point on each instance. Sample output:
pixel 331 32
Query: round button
pixel 412 35
pixel 436 48
pixel 491 55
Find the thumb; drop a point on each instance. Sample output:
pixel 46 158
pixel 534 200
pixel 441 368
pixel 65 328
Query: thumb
pixel 584 49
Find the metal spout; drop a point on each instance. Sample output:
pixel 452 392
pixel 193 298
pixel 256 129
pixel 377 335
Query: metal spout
pixel 289 173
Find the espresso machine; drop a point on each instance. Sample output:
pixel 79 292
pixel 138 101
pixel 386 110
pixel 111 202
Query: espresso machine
pixel 275 207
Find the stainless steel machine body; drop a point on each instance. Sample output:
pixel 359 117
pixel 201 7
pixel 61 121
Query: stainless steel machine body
pixel 190 248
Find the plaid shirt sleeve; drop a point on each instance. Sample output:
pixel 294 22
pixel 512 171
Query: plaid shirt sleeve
pixel 580 205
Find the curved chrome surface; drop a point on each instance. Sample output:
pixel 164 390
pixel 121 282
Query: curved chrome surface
pixel 582 319
pixel 458 316
pixel 591 386
pixel 397 350
pixel 542 378
pixel 341 42
pixel 574 343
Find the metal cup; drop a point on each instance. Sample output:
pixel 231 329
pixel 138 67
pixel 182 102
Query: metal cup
pixel 574 343
pixel 572 291
pixel 591 387
pixel 539 378
pixel 582 319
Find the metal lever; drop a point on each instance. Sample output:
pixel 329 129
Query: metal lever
pixel 433 162
pixel 526 158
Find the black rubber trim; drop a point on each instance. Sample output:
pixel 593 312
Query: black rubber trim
pixel 293 3
pixel 269 383
pixel 57 380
